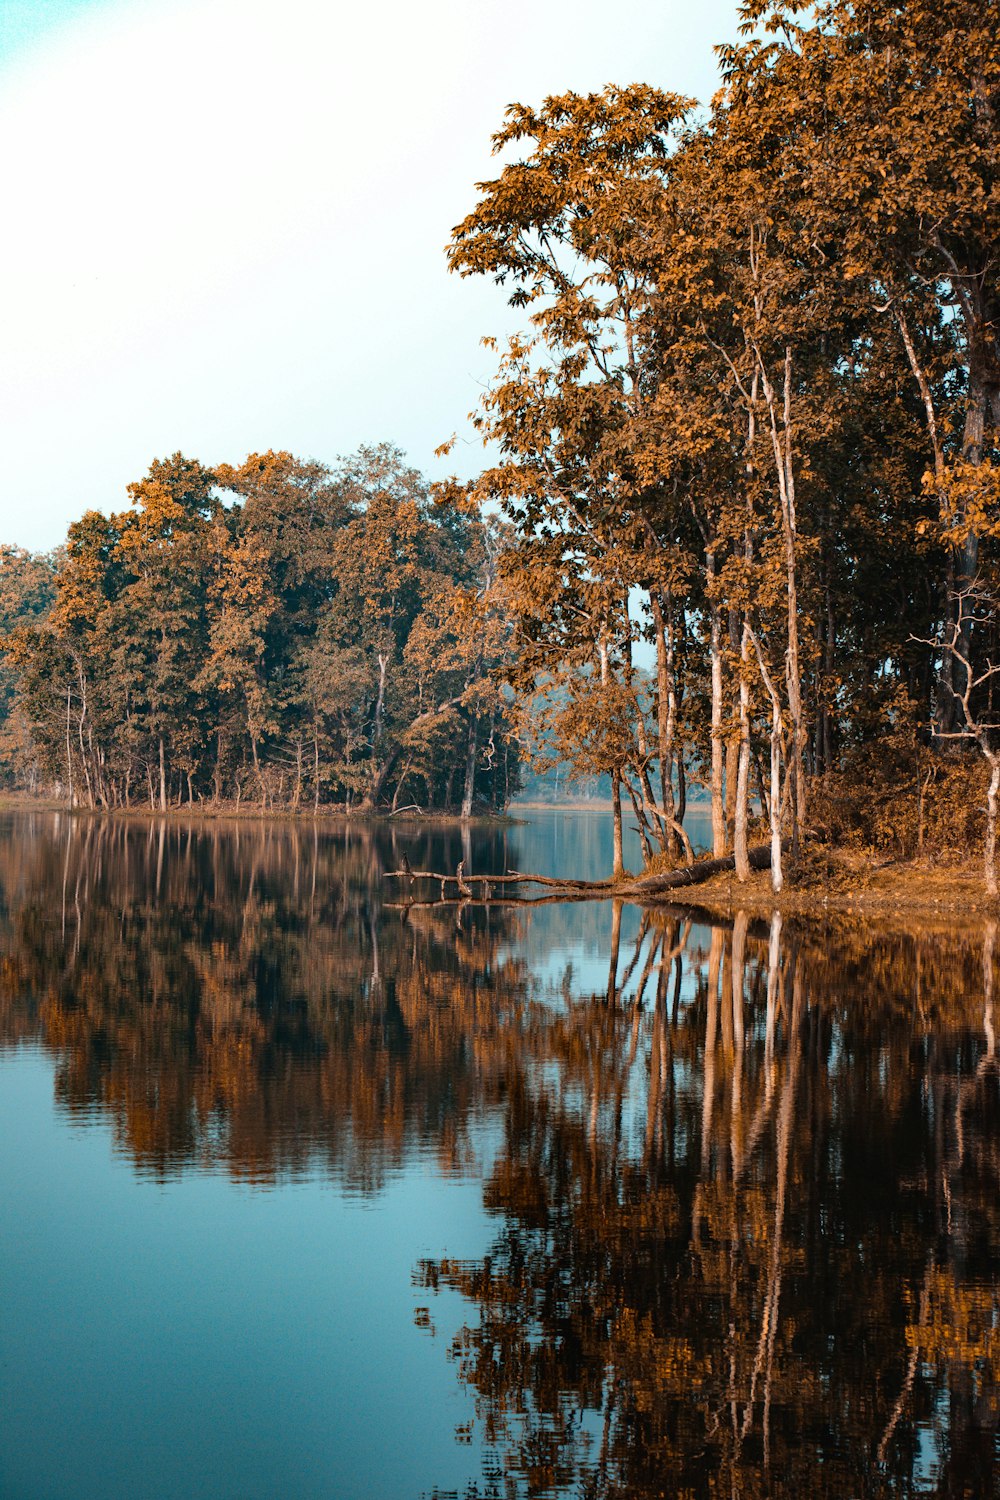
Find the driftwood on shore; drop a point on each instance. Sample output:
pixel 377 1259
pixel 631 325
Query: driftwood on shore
pixel 648 888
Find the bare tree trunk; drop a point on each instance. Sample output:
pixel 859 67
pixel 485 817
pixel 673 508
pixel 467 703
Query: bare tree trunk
pixel 297 794
pixel 69 745
pixel 666 704
pixel 470 768
pixel 774 798
pixel 740 843
pixel 785 466
pixel 991 826
pixel 383 663
pixel 618 870
pixel 163 776
pixel 718 807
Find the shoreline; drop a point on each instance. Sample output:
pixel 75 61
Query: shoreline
pixel 842 884
pixel 228 812
pixel 845 885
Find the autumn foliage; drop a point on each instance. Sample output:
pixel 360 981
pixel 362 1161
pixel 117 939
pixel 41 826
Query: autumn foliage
pixel 752 414
pixel 276 632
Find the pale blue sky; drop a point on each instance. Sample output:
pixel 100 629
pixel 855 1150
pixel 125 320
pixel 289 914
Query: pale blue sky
pixel 224 221
pixel 23 23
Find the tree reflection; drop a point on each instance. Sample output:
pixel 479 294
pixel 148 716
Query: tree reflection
pixel 749 1242
pixel 746 1190
pixel 233 998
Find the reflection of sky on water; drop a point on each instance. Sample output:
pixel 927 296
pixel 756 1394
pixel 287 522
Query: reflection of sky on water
pixel 567 945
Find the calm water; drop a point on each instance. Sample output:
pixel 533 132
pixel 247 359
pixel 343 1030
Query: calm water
pixel 307 1196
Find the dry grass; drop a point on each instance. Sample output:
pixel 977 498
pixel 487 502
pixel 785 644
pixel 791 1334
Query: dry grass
pixel 826 882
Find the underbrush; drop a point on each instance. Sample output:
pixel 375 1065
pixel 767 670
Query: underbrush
pixel 902 803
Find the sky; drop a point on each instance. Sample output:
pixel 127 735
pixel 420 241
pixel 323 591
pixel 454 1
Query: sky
pixel 225 220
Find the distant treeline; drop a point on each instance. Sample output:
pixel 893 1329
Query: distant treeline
pixel 281 632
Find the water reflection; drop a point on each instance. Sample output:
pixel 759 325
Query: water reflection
pixel 744 1182
pixel 233 998
pixel 749 1243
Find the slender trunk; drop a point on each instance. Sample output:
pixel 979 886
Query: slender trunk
pixel 740 844
pixel 297 794
pixel 777 880
pixel 69 745
pixel 163 776
pixel 640 820
pixel 991 826
pixel 83 758
pixel 774 798
pixel 470 768
pixel 666 703
pixel 785 467
pixel 400 783
pixel 715 647
pixel 732 756
pixel 618 870
pixel 383 663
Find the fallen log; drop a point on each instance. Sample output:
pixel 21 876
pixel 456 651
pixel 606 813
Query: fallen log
pixel 648 888
pixel 702 869
pixel 513 877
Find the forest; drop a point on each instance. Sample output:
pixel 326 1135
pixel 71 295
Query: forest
pixel 282 632
pixel 747 429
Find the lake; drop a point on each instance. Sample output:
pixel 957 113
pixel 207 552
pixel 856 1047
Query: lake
pixel 310 1193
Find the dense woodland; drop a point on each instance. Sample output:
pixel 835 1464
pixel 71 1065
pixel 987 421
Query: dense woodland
pixel 751 418
pixel 280 631
pixel 758 390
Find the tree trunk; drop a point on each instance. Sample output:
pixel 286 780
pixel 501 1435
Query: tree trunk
pixel 618 869
pixel 69 745
pixel 383 663
pixel 297 794
pixel 666 704
pixel 743 765
pixel 991 826
pixel 470 768
pixel 774 797
pixel 718 807
pixel 785 466
pixel 163 776
pixel 777 879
